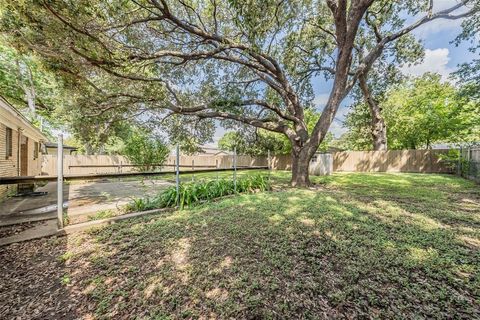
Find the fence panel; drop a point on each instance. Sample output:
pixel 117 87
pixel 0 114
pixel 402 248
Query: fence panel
pixel 281 162
pixel 82 164
pixel 98 164
pixel 423 161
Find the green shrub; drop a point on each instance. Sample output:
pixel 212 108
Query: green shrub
pixel 454 159
pixel 145 150
pixel 195 192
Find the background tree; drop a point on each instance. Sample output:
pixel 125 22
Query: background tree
pixel 30 87
pixel 144 150
pixel 263 142
pixel 422 112
pixel 383 17
pixel 373 84
pixel 259 141
pixel 250 62
pixel 358 124
pixel 468 74
pixel 418 113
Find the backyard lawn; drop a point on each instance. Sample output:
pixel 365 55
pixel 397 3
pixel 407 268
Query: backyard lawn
pixel 355 246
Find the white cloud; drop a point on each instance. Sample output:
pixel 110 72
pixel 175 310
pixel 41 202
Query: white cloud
pixel 434 61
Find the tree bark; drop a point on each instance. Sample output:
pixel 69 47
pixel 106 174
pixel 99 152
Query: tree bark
pixel 300 165
pixel 378 126
pixel 300 175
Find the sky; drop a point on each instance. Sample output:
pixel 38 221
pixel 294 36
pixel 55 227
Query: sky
pixel 441 56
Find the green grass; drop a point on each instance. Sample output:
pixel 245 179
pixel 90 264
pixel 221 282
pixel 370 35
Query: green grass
pixel 355 246
pixel 103 214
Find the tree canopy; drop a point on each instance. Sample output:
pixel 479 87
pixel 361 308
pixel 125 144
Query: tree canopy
pixel 249 62
pixel 418 112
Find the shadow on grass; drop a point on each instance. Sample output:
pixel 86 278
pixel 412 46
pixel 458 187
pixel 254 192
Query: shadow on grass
pixel 342 251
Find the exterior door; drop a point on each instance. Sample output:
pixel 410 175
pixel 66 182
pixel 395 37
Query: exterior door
pixel 23 156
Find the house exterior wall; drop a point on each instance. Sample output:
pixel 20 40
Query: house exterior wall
pixel 34 164
pixel 9 166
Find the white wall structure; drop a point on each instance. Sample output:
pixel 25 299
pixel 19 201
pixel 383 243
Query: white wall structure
pixel 321 164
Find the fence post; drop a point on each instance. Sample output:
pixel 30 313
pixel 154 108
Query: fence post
pixel 193 169
pixel 459 162
pixel 216 167
pixel 177 175
pixel 60 182
pixel 268 164
pixel 235 169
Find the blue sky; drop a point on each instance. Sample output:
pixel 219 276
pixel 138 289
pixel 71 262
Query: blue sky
pixel 441 56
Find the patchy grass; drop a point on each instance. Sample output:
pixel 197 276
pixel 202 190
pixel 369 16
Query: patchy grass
pixel 103 214
pixel 356 246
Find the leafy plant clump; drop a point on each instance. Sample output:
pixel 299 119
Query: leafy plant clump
pixel 145 150
pixel 194 192
pixel 454 160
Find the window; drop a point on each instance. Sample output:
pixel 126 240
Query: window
pixel 8 143
pixel 35 150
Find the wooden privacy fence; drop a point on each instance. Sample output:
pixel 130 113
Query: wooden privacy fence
pixel 422 161
pixel 103 164
pixel 425 161
pixel 321 164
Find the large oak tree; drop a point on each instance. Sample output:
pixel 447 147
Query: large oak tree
pixel 245 61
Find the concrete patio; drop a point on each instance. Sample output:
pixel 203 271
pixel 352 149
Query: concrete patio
pixel 80 199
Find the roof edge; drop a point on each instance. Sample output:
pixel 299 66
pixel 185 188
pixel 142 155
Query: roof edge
pixel 22 117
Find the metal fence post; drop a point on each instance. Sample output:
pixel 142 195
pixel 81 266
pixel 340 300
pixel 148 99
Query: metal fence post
pixel 216 167
pixel 177 175
pixel 193 169
pixel 459 162
pixel 269 164
pixel 235 169
pixel 60 182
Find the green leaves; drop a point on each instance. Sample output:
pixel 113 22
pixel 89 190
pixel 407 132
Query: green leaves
pixel 418 112
pixel 193 193
pixel 422 112
pixel 196 192
pixel 144 150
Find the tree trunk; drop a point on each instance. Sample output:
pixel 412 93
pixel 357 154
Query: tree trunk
pixel 378 126
pixel 300 165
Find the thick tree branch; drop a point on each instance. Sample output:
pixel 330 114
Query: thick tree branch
pixel 372 56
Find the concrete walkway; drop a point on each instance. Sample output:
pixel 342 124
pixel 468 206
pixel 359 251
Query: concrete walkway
pixel 39 230
pixel 80 199
pixel 49 227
